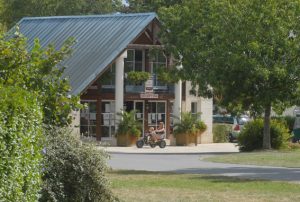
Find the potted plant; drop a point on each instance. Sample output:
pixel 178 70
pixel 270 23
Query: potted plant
pixel 138 78
pixel 188 129
pixel 129 129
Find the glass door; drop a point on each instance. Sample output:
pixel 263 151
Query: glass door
pixel 139 116
pixel 157 113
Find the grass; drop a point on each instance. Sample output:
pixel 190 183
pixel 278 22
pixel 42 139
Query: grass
pixel 265 158
pixel 160 186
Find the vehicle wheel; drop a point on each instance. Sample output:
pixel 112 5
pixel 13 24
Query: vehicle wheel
pixel 152 145
pixel 162 144
pixel 139 143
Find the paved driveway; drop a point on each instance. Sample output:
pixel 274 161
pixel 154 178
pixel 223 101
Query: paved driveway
pixel 193 163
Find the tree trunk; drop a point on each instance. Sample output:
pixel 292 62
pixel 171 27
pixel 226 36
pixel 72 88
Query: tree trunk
pixel 267 135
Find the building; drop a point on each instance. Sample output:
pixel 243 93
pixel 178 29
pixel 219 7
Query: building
pixel 108 48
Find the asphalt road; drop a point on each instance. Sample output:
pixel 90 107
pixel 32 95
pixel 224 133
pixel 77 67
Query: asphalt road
pixel 193 163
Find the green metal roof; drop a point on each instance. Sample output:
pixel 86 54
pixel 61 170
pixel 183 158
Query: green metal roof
pixel 100 40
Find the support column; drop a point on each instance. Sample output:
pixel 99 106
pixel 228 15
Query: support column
pixel 168 117
pixel 119 86
pixel 178 99
pixel 98 119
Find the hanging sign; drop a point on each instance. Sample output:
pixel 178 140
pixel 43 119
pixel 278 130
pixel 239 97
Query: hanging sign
pixel 149 86
pixel 148 96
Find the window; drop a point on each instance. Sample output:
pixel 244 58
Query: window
pixel 88 119
pixel 134 61
pixel 194 108
pixel 107 79
pixel 158 61
pixel 108 119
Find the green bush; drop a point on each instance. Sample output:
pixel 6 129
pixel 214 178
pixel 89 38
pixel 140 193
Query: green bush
pixel 220 132
pixel 251 137
pixel 189 124
pixel 129 125
pixel 73 171
pixel 20 145
pixel 289 120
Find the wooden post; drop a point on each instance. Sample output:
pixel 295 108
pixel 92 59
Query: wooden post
pixel 98 119
pixel 146 108
pixel 168 118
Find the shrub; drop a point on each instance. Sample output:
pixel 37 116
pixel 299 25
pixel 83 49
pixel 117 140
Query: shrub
pixel 289 120
pixel 189 124
pixel 220 132
pixel 73 171
pixel 20 145
pixel 129 125
pixel 251 137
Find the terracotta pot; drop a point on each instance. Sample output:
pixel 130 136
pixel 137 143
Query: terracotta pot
pixel 186 139
pixel 126 140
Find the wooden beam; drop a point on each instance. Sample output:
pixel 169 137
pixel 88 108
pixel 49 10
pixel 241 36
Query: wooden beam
pixel 144 46
pixel 98 119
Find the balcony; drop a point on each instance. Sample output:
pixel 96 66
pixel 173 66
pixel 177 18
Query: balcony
pixel 158 87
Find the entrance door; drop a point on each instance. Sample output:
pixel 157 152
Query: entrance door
pixel 157 113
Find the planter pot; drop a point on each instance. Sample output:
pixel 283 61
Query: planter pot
pixel 186 139
pixel 126 140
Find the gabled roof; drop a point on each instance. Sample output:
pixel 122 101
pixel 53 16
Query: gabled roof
pixel 99 40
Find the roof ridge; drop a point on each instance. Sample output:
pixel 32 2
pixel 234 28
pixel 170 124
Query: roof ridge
pixel 91 16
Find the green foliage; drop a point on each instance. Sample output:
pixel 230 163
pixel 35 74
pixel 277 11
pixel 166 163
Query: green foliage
pixel 20 145
pixel 251 137
pixel 39 71
pixel 168 76
pixel 220 132
pixel 128 124
pixel 149 6
pixel 14 10
pixel 73 171
pixel 138 77
pixel 189 124
pixel 244 52
pixel 289 120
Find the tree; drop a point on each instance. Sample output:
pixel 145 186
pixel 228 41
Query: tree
pixel 39 71
pixel 149 6
pixel 14 10
pixel 246 53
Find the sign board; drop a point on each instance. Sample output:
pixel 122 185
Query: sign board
pixel 148 96
pixel 149 86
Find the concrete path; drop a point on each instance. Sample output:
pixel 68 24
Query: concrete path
pixel 191 161
pixel 199 149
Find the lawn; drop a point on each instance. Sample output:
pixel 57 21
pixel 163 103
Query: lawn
pixel 265 158
pixel 159 186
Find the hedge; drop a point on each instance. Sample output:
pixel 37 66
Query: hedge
pixel 251 137
pixel 20 145
pixel 72 170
